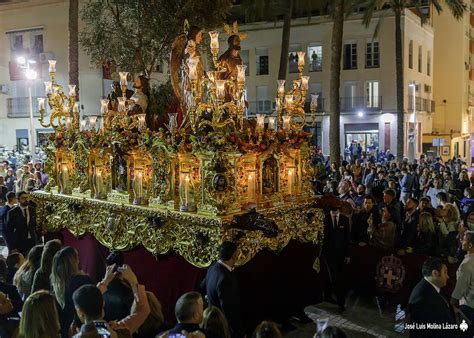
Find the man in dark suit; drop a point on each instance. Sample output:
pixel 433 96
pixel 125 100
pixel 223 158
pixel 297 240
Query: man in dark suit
pixel 21 225
pixel 335 252
pixel 10 203
pixel 427 305
pixel 222 288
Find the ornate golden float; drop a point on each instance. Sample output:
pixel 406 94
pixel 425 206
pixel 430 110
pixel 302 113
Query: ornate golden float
pixel 212 174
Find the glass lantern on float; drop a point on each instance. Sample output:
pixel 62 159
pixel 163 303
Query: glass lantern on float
pixel 252 188
pixel 140 187
pixel 100 188
pixel 65 173
pixel 186 192
pixel 291 186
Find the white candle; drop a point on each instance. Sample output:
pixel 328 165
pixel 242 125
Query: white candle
pixel 104 106
pixel 281 87
pixel 99 181
pixel 260 121
pixel 241 73
pixel 121 104
pixel 304 82
pixel 220 88
pixel 92 121
pixel 314 101
pixel 286 122
pixel 301 55
pixel 251 186
pixel 48 87
pixel 52 66
pixel 75 108
pixel 40 103
pixel 186 190
pixel 139 186
pixel 271 123
pixel 83 124
pixel 290 181
pixel 123 78
pixel 141 122
pixel 65 174
pixel 289 101
pixel 68 123
pixel 72 90
pixel 214 40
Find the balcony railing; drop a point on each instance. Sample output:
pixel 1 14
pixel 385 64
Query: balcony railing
pixel 355 103
pixel 18 107
pixel 268 106
pixel 421 104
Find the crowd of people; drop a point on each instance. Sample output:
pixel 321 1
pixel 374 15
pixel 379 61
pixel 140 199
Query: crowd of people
pixel 424 208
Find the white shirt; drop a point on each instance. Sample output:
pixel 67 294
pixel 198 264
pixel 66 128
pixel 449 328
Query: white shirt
pixel 225 265
pixel 436 288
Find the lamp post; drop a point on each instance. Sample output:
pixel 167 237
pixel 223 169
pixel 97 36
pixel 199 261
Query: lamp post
pixel 412 85
pixel 31 75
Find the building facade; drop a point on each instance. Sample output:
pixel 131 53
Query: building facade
pixel 454 90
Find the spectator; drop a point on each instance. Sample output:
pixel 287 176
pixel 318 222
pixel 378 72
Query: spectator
pixel 23 279
pixel 155 320
pixel 10 304
pixel 425 206
pixel 448 230
pixel 215 322
pixel 39 316
pixel 426 240
pixel 222 288
pixel 464 289
pixel 11 200
pixel 267 329
pixel 360 225
pixel 383 237
pixel 10 180
pixel 407 235
pixel 66 277
pixel 344 190
pixel 406 185
pixel 470 221
pixel 3 191
pixel 467 202
pixel 359 198
pixel 41 280
pixel 433 191
pixel 189 311
pixel 89 305
pixel 390 199
pixel 14 261
pixel 427 304
pixel 9 289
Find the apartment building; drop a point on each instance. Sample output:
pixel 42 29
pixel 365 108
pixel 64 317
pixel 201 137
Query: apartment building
pixel 454 90
pixel 368 86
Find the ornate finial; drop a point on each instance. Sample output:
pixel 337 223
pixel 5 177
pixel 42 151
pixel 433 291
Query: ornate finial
pixel 234 30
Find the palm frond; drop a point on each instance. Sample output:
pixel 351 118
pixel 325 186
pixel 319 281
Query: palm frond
pixel 457 7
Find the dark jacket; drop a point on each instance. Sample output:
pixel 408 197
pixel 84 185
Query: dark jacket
pixel 360 225
pixel 66 314
pixel 191 328
pixel 12 293
pixel 3 219
pixel 406 183
pixel 426 305
pixel 336 238
pixel 20 234
pixel 407 234
pixel 222 290
pixel 41 281
pixel 426 243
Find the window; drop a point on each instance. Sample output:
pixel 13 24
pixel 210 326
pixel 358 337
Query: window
pixel 244 54
pixel 315 55
pixel 372 56
pixel 427 88
pixel 428 63
pixel 293 58
pixel 27 43
pixel 410 55
pixel 420 59
pixel 372 98
pixel 264 105
pixel 350 55
pixel 262 61
pixel 350 96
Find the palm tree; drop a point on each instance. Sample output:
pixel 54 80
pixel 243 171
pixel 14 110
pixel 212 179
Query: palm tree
pixel 457 8
pixel 285 41
pixel 334 100
pixel 74 44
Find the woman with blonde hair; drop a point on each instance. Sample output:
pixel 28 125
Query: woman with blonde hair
pixel 66 277
pixel 41 280
pixel 39 317
pixel 214 321
pixel 23 279
pixel 448 230
pixel 425 242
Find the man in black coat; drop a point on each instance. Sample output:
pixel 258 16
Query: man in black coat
pixel 222 288
pixel 406 233
pixel 10 203
pixel 21 225
pixel 335 252
pixel 427 305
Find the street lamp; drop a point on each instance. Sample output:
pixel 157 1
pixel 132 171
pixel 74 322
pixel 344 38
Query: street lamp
pixel 412 85
pixel 31 75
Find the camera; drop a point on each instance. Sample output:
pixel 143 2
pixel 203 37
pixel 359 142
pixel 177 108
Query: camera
pixel 116 258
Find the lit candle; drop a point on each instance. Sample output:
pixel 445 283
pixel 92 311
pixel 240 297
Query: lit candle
pixel 99 182
pixel 72 90
pixel 260 121
pixel 48 87
pixel 214 40
pixel 123 78
pixel 186 190
pixel 141 121
pixel 314 101
pixel 286 122
pixel 65 176
pixel 83 124
pixel 104 106
pixel 75 108
pixel 52 66
pixel 271 123
pixel 281 87
pixel 241 73
pixel 290 181
pixel 192 65
pixel 220 89
pixel 92 121
pixel 68 123
pixel 289 101
pixel 40 103
pixel 251 186
pixel 301 55
pixel 139 186
pixel 304 82
pixel 121 104
pixel 278 104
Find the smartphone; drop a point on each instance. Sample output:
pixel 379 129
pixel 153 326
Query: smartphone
pixel 102 329
pixel 176 335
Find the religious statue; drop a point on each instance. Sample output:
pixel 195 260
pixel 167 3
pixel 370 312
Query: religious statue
pixel 184 48
pixel 115 93
pixel 270 176
pixel 119 169
pixel 140 96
